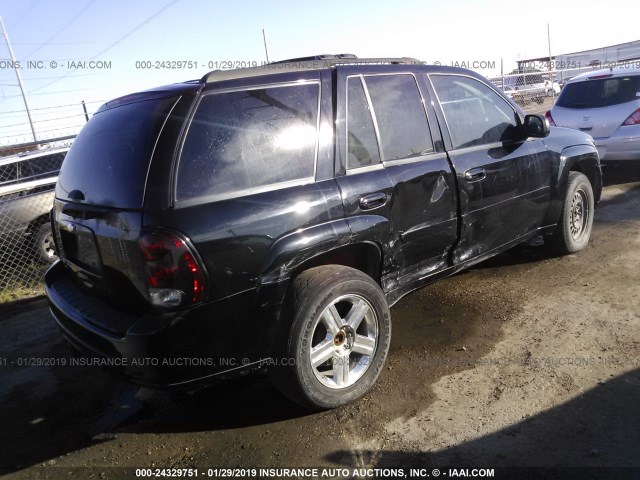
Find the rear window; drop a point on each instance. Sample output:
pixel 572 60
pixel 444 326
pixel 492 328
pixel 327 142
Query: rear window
pixel 247 141
pixel 600 93
pixel 109 159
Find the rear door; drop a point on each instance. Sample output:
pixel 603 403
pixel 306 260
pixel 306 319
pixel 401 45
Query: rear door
pixel 504 180
pixel 396 184
pixel 251 174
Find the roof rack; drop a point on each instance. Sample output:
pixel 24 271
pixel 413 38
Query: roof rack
pixel 324 56
pixel 316 62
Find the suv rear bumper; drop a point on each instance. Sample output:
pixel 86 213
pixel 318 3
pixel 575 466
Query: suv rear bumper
pixel 177 349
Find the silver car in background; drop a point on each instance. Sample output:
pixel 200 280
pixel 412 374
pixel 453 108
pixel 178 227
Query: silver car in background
pixel 606 105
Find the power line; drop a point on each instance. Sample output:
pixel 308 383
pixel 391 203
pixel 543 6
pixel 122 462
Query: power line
pixel 75 17
pixel 68 91
pixel 44 112
pixel 26 12
pixel 56 106
pixel 22 134
pixel 49 78
pixel 81 114
pixel 36 44
pixel 126 35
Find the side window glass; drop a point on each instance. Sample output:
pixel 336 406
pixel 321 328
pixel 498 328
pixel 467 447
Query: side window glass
pixel 362 145
pixel 46 165
pixel 243 140
pixel 475 114
pixel 401 118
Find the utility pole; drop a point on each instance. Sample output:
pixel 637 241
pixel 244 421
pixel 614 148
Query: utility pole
pixel 264 38
pixel 549 43
pixel 84 107
pixel 17 70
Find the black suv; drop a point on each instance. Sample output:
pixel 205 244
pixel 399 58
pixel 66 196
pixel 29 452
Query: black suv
pixel 268 217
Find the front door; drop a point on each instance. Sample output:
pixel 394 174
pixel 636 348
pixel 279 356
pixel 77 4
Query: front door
pixel 504 179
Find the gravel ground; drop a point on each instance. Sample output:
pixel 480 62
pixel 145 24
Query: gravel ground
pixel 524 360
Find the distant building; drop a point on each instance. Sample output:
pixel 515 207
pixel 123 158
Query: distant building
pixel 568 65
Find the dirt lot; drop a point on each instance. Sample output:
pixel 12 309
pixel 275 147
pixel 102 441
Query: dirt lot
pixel 526 360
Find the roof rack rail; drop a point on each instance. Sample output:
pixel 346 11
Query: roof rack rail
pixel 324 56
pixel 316 62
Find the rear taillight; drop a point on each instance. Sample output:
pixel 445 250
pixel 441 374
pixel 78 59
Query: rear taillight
pixel 550 118
pixel 634 118
pixel 174 275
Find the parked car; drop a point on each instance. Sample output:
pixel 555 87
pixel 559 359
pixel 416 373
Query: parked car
pixel 27 184
pixel 606 105
pixel 267 218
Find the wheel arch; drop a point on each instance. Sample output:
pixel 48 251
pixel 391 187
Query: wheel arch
pixel 589 166
pixel 577 158
pixel 363 256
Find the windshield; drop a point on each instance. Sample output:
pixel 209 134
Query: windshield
pixel 109 159
pixel 600 93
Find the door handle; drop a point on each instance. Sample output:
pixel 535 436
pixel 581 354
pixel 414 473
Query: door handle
pixel 475 174
pixel 373 201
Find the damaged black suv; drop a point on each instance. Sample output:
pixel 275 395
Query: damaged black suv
pixel 268 217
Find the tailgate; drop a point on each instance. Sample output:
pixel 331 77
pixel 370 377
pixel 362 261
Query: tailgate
pixel 99 248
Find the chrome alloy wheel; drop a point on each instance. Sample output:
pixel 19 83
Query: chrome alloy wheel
pixel 578 220
pixel 48 246
pixel 344 341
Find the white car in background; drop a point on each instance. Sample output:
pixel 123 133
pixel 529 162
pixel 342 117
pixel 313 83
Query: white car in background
pixel 551 88
pixel 606 105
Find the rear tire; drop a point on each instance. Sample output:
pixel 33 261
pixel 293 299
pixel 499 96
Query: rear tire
pixel 338 340
pixel 576 220
pixel 44 244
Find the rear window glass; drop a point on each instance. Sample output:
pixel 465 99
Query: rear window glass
pixel 362 144
pixel 109 159
pixel 600 93
pixel 402 120
pixel 240 142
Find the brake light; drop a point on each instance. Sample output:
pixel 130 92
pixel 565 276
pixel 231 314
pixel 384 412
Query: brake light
pixel 634 118
pixel 174 275
pixel 550 118
pixel 597 77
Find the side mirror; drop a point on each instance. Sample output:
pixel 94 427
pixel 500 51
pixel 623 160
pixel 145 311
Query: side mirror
pixel 536 126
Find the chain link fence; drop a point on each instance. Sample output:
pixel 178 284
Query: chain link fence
pixel 27 182
pixel 536 91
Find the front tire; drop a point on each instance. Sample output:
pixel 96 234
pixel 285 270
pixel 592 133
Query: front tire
pixel 576 220
pixel 339 339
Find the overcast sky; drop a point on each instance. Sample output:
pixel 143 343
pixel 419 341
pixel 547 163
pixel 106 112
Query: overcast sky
pixel 120 33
